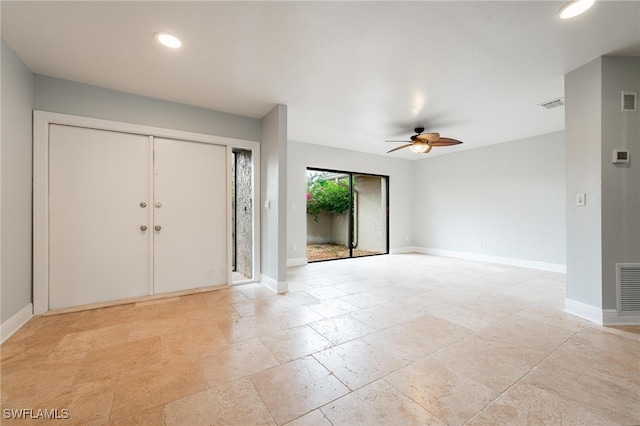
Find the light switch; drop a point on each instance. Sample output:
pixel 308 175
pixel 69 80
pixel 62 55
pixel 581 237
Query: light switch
pixel 581 199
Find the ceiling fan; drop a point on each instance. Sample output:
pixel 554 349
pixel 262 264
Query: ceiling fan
pixel 421 143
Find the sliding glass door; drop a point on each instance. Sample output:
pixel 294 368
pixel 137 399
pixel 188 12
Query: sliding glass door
pixel 347 214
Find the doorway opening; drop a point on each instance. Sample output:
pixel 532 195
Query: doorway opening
pixel 347 214
pixel 242 215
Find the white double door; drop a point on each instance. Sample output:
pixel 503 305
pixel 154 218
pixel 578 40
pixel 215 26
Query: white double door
pixel 133 215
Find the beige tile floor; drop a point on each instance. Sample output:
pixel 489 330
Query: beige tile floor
pixel 385 340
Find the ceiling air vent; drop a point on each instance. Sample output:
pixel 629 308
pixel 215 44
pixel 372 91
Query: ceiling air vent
pixel 629 101
pixel 628 286
pixel 554 103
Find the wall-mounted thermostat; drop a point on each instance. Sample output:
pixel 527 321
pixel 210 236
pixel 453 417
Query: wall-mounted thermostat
pixel 620 156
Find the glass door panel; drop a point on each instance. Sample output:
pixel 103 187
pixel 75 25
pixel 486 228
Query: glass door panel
pixel 369 215
pixel 328 207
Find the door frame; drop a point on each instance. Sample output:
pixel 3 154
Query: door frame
pixel 41 122
pixel 351 209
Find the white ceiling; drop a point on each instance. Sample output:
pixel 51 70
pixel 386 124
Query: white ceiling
pixel 353 74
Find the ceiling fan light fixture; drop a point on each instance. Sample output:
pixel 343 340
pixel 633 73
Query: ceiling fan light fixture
pixel 419 147
pixel 575 8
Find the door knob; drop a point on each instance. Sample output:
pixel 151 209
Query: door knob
pixel 157 227
pixel 143 228
pixel 143 204
pixel 158 205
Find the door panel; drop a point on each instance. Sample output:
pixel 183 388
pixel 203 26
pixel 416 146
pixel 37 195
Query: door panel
pixel 369 215
pixel 190 181
pixel 97 180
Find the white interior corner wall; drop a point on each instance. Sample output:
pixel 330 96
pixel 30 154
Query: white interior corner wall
pixel 502 203
pixel 16 184
pixel 583 107
pixel 606 230
pixel 274 201
pixel 620 182
pixel 401 193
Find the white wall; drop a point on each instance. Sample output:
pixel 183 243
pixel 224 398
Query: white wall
pixel 583 133
pixel 21 93
pixel 68 97
pixel 509 197
pixel 620 183
pixel 607 230
pixel 303 155
pixel 16 184
pixel 273 191
pixel 62 96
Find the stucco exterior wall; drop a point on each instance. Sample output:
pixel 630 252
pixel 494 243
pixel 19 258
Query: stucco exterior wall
pixel 371 214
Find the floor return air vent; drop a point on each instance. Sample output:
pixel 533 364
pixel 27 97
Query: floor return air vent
pixel 628 288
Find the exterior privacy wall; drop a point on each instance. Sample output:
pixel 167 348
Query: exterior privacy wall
pixel 322 230
pixel 370 225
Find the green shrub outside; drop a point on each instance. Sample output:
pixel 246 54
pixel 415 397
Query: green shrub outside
pixel 327 195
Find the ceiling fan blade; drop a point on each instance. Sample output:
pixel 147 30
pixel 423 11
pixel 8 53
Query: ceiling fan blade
pixel 400 147
pixel 428 137
pixel 445 142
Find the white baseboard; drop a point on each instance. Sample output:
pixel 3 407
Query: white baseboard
pixel 512 261
pixel 402 250
pixel 297 261
pixel 15 323
pixel 605 317
pixel 270 283
pixel 583 310
pixel 610 318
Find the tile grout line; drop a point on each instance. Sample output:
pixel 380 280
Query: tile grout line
pixel 534 367
pixel 113 398
pixel 410 398
pixel 261 400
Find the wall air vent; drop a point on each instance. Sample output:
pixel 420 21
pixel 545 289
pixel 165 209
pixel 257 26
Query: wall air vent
pixel 554 103
pixel 629 101
pixel 628 286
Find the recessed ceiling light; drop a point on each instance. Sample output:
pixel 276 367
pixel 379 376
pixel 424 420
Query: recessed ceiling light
pixel 575 8
pixel 168 40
